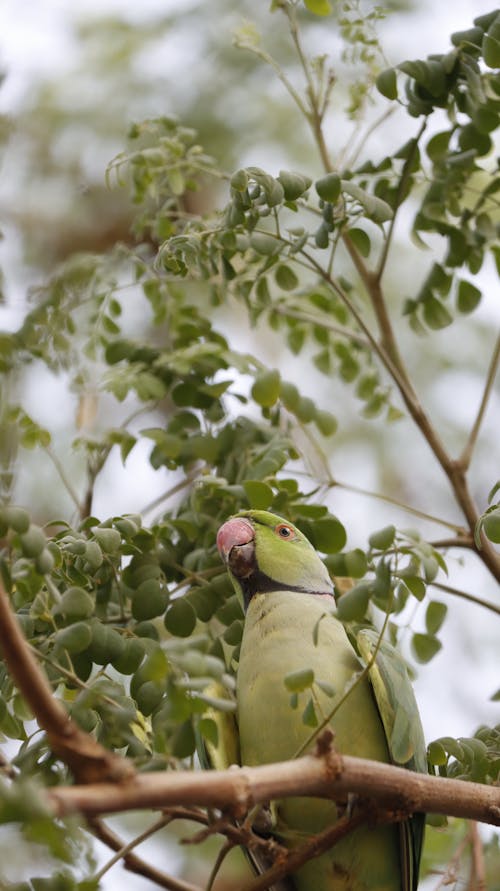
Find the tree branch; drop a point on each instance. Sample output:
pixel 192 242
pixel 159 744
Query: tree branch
pixel 87 759
pixel 327 775
pixel 472 598
pixel 134 863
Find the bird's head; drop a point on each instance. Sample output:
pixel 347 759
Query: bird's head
pixel 264 553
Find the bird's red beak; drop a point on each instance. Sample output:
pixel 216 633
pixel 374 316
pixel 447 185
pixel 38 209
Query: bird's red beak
pixel 236 545
pixel 233 533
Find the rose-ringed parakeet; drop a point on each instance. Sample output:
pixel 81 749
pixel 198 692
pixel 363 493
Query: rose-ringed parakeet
pixel 290 627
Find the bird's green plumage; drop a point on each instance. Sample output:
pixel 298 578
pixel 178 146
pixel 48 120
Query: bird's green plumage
pixel 291 627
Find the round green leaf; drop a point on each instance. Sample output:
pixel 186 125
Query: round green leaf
pixel 93 555
pixel 75 638
pixel 425 647
pixel 289 395
pixel 148 697
pixel 294 184
pixel 386 83
pixel 305 410
pixel 436 753
pixel 267 245
pixel 33 542
pixel 361 240
pixel 328 187
pixel 296 681
pixel 491 525
pixel 435 314
pixel 285 277
pixel 259 494
pixel 148 601
pixel 329 535
pixel 435 616
pixel 322 236
pixel 352 606
pixel 129 660
pixel 318 7
pixel 75 603
pixel 183 740
pixel 468 297
pixel 239 181
pixel 383 539
pixel 266 387
pixel 326 422
pixel 17 518
pixel 109 540
pixel 45 562
pixel 180 618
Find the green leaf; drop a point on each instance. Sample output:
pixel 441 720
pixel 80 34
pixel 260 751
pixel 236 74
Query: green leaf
pixel 416 585
pixel 352 606
pixel 76 603
pixel 318 7
pixel 309 717
pixel 436 753
pixel 326 422
pixel 75 638
pixel 360 240
pixel 17 518
pixel 183 740
pixel 267 245
pixel 425 647
pixel 267 387
pixel 285 277
pixel 294 184
pixel 328 187
pixel 435 616
pixel 297 681
pixel 376 209
pixel 491 45
pixel 386 83
pixel 383 539
pixel 435 314
pixel 491 525
pixel 468 296
pixel 329 535
pixel 180 618
pixel 259 494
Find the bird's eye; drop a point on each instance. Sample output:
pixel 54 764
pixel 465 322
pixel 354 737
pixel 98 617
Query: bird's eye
pixel 284 531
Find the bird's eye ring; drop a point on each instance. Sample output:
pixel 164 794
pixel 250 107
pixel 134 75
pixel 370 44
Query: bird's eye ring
pixel 284 531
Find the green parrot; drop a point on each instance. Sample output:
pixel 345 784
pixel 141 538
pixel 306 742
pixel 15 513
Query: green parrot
pixel 290 627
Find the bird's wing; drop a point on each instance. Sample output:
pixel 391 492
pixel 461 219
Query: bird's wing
pixel 405 737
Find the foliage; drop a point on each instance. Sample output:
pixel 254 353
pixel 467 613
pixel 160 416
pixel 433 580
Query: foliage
pixel 134 622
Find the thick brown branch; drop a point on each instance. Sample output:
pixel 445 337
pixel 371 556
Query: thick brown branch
pixel 88 760
pixel 241 788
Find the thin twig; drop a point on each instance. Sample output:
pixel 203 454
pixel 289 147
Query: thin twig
pixel 399 198
pixel 127 847
pixel 478 870
pixel 64 478
pixel 178 487
pixel 416 512
pixel 472 598
pixel 466 456
pixel 136 864
pixel 219 860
